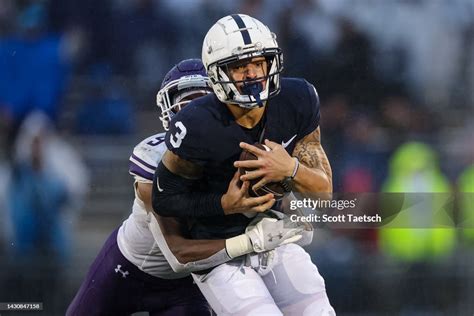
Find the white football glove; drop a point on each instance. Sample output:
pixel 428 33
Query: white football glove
pixel 263 235
pixel 270 233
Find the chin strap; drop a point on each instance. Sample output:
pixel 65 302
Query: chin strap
pixel 254 90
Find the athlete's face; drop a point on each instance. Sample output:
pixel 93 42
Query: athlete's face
pixel 248 69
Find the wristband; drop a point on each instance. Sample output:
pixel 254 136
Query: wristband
pixel 238 246
pixel 287 182
pixel 295 170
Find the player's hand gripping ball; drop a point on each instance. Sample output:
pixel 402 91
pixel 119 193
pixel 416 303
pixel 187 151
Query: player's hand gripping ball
pixel 273 187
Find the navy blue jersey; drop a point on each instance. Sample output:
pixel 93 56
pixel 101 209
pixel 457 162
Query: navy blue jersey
pixel 205 132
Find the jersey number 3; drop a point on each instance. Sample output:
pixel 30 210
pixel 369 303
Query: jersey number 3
pixel 177 138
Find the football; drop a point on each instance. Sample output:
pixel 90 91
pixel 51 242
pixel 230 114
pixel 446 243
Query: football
pixel 273 187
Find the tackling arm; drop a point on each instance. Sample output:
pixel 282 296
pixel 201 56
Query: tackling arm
pixel 188 255
pixel 185 250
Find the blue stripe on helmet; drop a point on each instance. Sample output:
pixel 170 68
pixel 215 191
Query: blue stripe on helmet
pixel 241 25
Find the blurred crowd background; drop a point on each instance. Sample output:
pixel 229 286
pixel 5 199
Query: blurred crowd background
pixel 396 80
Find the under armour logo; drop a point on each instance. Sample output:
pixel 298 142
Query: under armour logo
pixel 279 235
pixel 124 273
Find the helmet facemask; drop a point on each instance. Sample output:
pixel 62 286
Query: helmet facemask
pixel 251 94
pixel 178 93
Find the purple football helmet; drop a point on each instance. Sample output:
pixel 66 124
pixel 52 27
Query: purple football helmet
pixel 184 82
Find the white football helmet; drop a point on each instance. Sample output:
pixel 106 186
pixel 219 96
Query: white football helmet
pixel 237 37
pixel 185 81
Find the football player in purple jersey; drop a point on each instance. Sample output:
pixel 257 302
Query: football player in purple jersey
pixel 145 263
pixel 197 176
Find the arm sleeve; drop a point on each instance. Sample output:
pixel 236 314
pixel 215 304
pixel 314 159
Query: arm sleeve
pixel 218 258
pixel 175 196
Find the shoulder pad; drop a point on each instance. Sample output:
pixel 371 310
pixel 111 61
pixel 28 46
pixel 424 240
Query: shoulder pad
pixel 146 156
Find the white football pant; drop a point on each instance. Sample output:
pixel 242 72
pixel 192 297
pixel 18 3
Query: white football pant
pixel 288 284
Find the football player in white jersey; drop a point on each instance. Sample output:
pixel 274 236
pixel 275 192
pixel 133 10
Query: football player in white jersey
pixel 145 265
